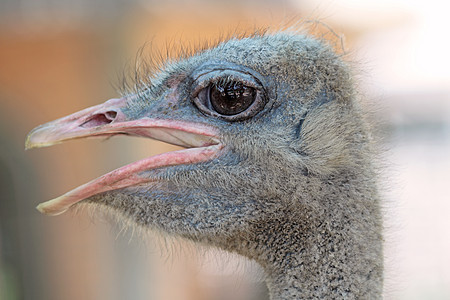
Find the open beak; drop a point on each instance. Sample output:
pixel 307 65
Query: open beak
pixel 108 119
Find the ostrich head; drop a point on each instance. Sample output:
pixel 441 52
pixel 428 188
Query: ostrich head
pixel 277 165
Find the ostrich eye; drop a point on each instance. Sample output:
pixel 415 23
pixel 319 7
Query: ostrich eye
pixel 230 98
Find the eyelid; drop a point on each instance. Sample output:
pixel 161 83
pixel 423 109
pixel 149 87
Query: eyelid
pixel 203 80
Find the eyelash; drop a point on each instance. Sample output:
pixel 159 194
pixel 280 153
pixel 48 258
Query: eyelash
pixel 222 81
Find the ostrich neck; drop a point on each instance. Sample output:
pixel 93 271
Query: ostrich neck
pixel 338 255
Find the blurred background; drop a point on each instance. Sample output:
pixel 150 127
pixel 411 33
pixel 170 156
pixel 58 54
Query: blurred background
pixel 57 57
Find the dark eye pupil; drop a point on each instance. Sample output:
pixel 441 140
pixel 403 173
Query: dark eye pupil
pixel 231 98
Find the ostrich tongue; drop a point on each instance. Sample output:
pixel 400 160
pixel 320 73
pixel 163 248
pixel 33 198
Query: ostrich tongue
pixel 108 119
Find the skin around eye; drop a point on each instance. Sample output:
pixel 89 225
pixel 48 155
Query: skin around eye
pixel 228 94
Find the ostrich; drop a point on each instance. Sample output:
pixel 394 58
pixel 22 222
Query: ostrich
pixel 277 165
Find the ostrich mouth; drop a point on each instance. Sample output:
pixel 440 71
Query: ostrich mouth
pixel 107 119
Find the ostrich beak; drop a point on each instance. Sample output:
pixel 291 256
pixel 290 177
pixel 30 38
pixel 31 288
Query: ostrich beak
pixel 108 119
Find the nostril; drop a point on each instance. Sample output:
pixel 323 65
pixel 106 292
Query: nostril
pixel 111 115
pixel 100 119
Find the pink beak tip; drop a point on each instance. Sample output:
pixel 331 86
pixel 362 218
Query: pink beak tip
pixel 43 208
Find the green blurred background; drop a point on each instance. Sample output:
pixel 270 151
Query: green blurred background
pixel 57 57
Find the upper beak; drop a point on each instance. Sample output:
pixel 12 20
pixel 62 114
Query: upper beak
pixel 109 119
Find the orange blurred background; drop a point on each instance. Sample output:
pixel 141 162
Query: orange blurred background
pixel 57 57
